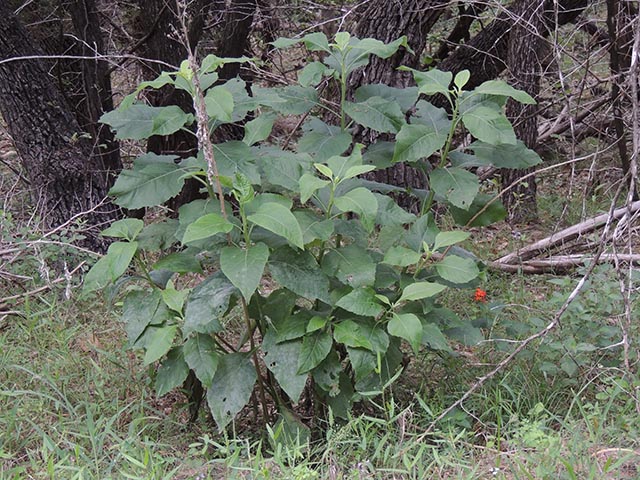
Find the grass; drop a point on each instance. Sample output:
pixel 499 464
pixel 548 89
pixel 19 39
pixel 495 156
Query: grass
pixel 75 403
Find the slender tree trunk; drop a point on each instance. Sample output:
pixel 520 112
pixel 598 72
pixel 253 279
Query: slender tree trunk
pixel 64 176
pixel 525 70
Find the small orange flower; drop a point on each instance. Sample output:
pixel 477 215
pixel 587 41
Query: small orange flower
pixel 480 295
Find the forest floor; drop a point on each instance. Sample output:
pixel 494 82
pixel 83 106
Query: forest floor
pixel 76 403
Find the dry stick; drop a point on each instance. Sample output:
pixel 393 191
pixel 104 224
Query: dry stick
pixel 206 146
pixel 568 234
pixel 43 288
pixel 525 343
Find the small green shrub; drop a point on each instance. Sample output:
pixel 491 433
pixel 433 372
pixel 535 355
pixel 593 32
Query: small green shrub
pixel 351 275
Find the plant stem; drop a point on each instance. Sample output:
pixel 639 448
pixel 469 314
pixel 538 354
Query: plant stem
pixel 443 155
pixel 256 363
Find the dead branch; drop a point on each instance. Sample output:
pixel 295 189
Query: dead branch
pixel 567 235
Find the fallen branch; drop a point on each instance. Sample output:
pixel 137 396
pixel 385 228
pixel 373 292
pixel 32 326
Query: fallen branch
pixel 562 263
pixel 567 235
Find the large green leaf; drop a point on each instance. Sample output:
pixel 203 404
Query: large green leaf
pixel 488 125
pixel 219 103
pixel 432 81
pixel 153 180
pixel 140 309
pixel 424 229
pixel 207 303
pixel 283 168
pixel 139 121
pixel 158 236
pixel 159 343
pixel 300 273
pixel 179 262
pixel 110 267
pixel 362 361
pixel 506 155
pixel 279 220
pixel 259 128
pixel 420 290
pixel 323 141
pixel 414 142
pixel 313 226
pixel 309 184
pixel 348 333
pixel 315 347
pixel 493 211
pixel 327 374
pixel 201 356
pixel 377 114
pixel 237 157
pixel 205 227
pixel 446 239
pixel 407 326
pixel 361 301
pixel 390 213
pixel 231 387
pixel 457 269
pixel 244 266
pixel 361 202
pixel 351 265
pixel 406 97
pixel 172 372
pixel 127 228
pixel 501 88
pixel 433 338
pixel 312 74
pixel 282 360
pixel 457 186
pixel 290 100
pixel 401 256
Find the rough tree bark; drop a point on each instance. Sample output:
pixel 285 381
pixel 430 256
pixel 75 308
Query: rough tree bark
pixel 65 178
pixel 525 71
pixel 161 27
pixel 386 20
pixel 96 84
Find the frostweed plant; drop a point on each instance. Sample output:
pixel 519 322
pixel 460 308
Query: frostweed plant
pixel 352 276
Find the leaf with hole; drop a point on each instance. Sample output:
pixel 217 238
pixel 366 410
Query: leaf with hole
pixel 282 360
pixel 231 387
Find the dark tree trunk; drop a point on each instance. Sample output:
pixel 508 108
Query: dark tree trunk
pixel 65 178
pixel 386 20
pixel 485 55
pixel 96 82
pixel 161 27
pixel 524 72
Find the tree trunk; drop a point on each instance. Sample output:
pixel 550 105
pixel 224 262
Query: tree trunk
pixel 96 82
pixel 162 28
pixel 525 71
pixel 386 20
pixel 64 177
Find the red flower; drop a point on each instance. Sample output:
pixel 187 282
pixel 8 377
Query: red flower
pixel 480 295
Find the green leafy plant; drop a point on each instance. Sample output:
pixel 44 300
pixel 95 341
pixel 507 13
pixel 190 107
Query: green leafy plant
pixel 351 275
